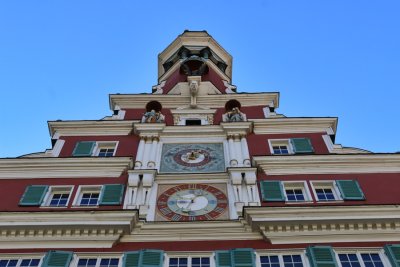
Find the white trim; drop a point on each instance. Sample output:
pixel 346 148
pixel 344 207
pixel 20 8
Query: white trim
pixel 280 255
pixel 188 256
pixel 328 142
pixel 105 144
pixel 359 251
pixel 22 257
pixel 297 185
pixel 331 184
pixel 57 189
pixel 98 258
pixel 82 189
pixel 279 142
pixel 328 164
pixel 74 167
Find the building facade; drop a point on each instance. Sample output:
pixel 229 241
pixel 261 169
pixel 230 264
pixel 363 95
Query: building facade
pixel 196 174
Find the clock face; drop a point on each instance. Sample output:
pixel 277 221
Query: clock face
pixel 192 202
pixel 178 158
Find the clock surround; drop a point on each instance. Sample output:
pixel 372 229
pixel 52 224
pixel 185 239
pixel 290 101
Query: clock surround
pixel 192 202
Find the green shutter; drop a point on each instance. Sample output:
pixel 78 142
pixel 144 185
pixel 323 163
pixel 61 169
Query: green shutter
pixel 393 253
pixel 131 259
pixel 83 149
pixel 272 191
pixel 321 256
pixel 33 195
pixel 243 257
pixel 301 145
pixel 151 258
pixel 350 190
pixel 56 258
pixel 111 194
pixel 223 258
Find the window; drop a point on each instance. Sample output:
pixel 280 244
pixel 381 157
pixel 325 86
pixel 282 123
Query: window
pixel 325 191
pixel 178 262
pixel 92 148
pixel 98 262
pixel 360 260
pixel 290 146
pixel 105 149
pixel 189 262
pixel 89 196
pixel 19 262
pixel 296 191
pixel 295 260
pixel 57 196
pixel 46 196
pixel 290 191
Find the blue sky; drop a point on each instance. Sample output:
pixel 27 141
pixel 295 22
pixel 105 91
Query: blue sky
pixel 338 58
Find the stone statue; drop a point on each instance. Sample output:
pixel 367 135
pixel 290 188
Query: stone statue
pixel 153 117
pixel 235 115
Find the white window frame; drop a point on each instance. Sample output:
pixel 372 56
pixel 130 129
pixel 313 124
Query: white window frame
pixel 104 144
pixel 57 189
pixel 279 142
pixel 317 184
pixel 280 255
pixel 360 251
pixel 189 257
pixel 24 257
pixel 82 189
pixel 98 258
pixel 297 185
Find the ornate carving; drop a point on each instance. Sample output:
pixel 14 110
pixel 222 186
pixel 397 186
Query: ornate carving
pixel 153 117
pixel 234 115
pixel 158 89
pixel 230 89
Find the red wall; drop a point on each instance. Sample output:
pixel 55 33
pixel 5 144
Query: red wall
pixel 258 144
pixel 12 190
pixel 127 145
pixel 200 246
pixel 377 188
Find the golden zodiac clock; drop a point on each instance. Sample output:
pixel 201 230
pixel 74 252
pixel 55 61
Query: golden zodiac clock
pixel 192 202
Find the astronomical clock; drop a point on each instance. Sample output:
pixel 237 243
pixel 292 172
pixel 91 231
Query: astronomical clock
pixel 192 201
pixel 192 158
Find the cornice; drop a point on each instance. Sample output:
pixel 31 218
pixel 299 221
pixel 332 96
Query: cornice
pixel 237 128
pixel 328 164
pixel 294 125
pixel 85 167
pixel 294 225
pixel 148 129
pixel 191 231
pixel 193 131
pixel 128 101
pixel 79 229
pixel 221 177
pixel 91 128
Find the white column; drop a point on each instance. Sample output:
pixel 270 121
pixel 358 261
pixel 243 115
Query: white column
pixel 153 156
pixel 233 161
pixel 238 150
pixel 139 154
pixel 245 151
pixel 146 154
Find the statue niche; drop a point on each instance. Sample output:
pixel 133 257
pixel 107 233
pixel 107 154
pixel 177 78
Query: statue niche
pixel 233 113
pixel 153 113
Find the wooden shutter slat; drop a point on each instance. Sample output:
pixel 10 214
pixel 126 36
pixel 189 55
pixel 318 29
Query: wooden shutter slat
pixel 243 257
pixel 55 258
pixel 152 258
pixel 393 253
pixel 111 194
pixel 350 190
pixel 84 148
pixel 33 195
pixel 131 259
pixel 223 258
pixel 272 191
pixel 321 256
pixel 302 145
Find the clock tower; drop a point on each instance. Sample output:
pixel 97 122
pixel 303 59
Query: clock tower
pixel 193 160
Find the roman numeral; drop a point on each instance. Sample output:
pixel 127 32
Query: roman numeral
pixel 176 217
pixel 165 211
pixel 219 209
